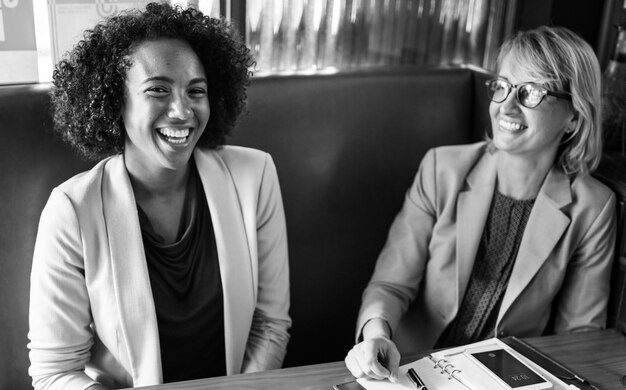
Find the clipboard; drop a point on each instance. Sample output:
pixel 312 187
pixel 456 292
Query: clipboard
pixel 560 373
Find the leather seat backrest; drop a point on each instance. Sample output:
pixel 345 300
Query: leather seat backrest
pixel 347 148
pixel 32 162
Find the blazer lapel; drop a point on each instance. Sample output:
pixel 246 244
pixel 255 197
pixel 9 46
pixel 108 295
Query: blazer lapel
pixel 472 209
pixel 131 281
pixel 234 255
pixel 544 228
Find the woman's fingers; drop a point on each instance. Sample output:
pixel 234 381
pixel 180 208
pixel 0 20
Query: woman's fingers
pixel 368 359
pixel 394 363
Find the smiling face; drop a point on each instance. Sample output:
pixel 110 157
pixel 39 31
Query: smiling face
pixel 166 106
pixel 534 133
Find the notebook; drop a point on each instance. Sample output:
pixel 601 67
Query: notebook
pixel 454 369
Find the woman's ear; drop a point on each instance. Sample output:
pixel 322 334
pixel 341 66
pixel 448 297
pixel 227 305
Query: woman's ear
pixel 573 122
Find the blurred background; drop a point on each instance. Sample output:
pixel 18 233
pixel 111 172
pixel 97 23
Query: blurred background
pixel 312 36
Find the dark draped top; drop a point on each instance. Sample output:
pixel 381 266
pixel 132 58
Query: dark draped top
pixel 496 255
pixel 187 291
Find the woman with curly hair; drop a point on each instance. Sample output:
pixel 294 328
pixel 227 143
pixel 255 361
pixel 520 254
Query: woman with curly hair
pixel 167 261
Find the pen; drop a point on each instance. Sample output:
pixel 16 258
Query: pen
pixel 416 379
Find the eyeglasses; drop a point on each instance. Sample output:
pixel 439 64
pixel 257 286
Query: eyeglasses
pixel 528 94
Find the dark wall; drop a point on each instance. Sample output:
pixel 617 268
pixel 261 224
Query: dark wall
pixel 594 20
pixel 584 17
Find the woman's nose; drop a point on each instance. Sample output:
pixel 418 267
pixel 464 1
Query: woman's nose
pixel 179 109
pixel 510 104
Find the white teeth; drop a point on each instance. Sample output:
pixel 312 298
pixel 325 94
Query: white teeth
pixel 174 133
pixel 510 126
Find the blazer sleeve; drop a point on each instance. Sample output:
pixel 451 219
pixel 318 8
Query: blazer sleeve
pixel 400 266
pixel 584 295
pixel 59 314
pixel 267 342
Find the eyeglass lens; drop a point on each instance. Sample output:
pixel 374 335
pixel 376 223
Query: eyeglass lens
pixel 530 95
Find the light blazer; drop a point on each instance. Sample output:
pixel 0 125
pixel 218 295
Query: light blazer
pixel 92 314
pixel 562 267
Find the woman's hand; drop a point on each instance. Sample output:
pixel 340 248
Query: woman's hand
pixel 376 357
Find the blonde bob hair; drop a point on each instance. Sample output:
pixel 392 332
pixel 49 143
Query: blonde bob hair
pixel 567 64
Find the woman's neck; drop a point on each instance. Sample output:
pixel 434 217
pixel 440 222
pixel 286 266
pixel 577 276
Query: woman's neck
pixel 162 183
pixel 161 195
pixel 520 178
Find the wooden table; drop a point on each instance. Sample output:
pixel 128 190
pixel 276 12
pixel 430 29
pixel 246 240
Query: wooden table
pixel 599 356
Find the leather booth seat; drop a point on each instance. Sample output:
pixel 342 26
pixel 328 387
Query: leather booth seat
pixel 346 147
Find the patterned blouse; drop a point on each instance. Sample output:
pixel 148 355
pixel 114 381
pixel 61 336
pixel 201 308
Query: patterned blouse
pixel 496 255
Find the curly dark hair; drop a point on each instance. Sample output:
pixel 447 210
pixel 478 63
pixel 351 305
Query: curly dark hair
pixel 88 83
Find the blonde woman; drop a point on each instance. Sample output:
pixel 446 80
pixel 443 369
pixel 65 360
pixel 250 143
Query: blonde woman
pixel 511 236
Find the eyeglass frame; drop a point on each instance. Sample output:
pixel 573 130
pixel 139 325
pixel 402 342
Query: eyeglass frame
pixel 544 91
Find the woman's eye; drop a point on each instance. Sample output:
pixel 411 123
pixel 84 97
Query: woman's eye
pixel 156 91
pixel 197 92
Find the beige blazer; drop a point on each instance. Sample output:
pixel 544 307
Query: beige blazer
pixel 92 315
pixel 562 267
